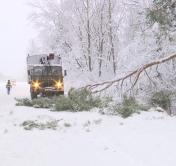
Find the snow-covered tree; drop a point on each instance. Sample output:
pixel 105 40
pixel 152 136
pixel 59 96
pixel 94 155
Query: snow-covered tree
pixel 104 39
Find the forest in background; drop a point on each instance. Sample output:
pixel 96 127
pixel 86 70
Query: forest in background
pixel 104 40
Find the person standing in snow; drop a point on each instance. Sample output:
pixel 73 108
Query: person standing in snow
pixel 8 86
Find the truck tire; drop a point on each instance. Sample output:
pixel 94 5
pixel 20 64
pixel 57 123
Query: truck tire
pixel 61 93
pixel 33 94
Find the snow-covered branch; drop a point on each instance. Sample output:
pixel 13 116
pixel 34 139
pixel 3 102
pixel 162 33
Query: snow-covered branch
pixel 136 73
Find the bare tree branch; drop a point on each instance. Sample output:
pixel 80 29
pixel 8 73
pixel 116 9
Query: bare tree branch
pixel 137 73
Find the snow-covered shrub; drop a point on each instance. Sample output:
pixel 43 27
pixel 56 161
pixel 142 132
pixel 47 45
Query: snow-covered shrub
pixel 161 99
pixel 43 102
pixel 105 102
pixel 29 125
pixel 67 124
pixel 78 100
pixel 62 104
pixel 37 103
pixel 83 100
pixel 128 107
pixel 24 102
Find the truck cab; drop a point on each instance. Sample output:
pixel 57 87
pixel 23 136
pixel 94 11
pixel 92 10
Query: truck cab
pixel 45 75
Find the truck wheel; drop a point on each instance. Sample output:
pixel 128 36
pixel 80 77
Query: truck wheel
pixel 61 93
pixel 33 95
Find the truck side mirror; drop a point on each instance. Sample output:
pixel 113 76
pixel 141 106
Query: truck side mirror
pixel 65 72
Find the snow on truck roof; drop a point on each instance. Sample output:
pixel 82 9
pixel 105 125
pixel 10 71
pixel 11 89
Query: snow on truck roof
pixel 41 55
pixel 44 59
pixel 40 65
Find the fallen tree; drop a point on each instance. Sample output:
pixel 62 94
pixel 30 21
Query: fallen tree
pixel 99 87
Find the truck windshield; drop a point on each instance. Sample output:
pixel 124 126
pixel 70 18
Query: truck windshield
pixel 46 70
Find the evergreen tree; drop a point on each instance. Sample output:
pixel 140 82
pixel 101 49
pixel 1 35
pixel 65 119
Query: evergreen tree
pixel 163 12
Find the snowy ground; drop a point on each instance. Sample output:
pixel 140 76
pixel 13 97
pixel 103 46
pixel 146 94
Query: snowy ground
pixel 91 139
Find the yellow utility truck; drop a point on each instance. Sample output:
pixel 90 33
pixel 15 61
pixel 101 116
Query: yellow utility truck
pixel 45 75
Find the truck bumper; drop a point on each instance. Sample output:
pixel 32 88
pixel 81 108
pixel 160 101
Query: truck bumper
pixel 47 92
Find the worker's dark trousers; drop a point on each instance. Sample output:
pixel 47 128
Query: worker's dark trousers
pixel 8 91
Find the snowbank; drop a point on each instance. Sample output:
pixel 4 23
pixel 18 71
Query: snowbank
pixel 90 139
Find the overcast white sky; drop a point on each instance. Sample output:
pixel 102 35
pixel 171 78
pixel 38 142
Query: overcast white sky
pixel 15 31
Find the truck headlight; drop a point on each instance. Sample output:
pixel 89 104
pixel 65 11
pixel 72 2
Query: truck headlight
pixel 59 85
pixel 36 85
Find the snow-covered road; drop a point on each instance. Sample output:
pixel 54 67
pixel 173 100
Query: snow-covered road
pixel 90 139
